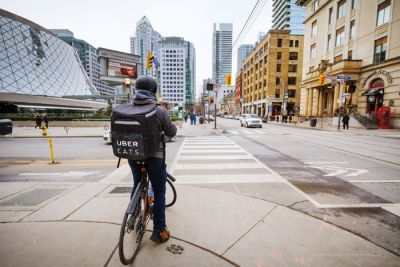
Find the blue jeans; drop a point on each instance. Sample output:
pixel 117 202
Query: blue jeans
pixel 157 172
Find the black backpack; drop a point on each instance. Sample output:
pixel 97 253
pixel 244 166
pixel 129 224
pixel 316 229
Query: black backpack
pixel 135 131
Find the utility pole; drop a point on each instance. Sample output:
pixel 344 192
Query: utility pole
pixel 215 110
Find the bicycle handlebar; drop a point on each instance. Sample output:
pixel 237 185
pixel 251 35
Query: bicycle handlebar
pixel 172 178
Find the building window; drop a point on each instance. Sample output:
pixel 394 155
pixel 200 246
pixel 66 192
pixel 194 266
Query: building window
pixel 353 4
pixel 277 80
pixel 291 43
pixel 293 55
pixel 330 15
pixel 278 67
pixel 338 58
pixel 341 10
pixel 292 68
pixel 277 93
pixel 328 45
pixel 340 36
pixel 314 28
pixel 279 42
pixel 315 5
pixel 312 51
pixel 291 93
pixel 383 13
pixel 380 53
pixel 352 29
pixel 350 55
pixel 296 43
pixel 279 56
pixel 291 80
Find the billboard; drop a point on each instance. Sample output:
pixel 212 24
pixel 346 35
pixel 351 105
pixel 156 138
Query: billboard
pixel 124 69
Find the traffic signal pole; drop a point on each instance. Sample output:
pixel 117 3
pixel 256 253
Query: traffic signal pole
pixel 215 110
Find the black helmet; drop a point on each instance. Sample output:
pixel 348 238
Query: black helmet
pixel 146 83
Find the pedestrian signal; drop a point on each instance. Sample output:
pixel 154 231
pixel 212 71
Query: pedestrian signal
pixel 228 79
pixel 322 79
pixel 211 99
pixel 149 61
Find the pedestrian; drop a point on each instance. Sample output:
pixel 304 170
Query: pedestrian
pixel 192 118
pixel 345 121
pixel 186 117
pixel 46 120
pixel 38 120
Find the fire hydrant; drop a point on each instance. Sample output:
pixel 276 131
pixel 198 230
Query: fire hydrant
pixel 44 129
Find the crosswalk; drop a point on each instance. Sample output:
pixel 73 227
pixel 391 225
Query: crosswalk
pixel 246 132
pixel 217 159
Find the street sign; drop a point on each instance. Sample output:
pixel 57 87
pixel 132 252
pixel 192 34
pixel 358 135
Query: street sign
pixel 343 77
pixel 345 94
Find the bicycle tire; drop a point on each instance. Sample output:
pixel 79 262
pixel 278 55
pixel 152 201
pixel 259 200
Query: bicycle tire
pixel 132 223
pixel 173 200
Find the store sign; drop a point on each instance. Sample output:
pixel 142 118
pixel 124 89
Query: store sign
pixel 101 52
pixel 384 73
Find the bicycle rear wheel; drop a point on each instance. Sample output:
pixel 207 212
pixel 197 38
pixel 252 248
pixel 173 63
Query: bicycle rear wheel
pixel 131 234
pixel 170 195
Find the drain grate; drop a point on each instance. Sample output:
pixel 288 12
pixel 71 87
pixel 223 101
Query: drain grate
pixel 175 249
pixel 33 197
pixel 121 190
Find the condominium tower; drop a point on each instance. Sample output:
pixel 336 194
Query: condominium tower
pixel 221 52
pixel 287 16
pixel 177 70
pixel 242 53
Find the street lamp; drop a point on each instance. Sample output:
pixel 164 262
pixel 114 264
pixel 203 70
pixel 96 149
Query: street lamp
pixel 127 86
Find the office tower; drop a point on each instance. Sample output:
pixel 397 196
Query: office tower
pixel 221 52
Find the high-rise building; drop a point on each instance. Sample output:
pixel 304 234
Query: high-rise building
pixel 352 60
pixel 286 15
pixel 242 53
pixel 272 75
pixel 88 57
pixel 221 52
pixel 145 40
pixel 177 70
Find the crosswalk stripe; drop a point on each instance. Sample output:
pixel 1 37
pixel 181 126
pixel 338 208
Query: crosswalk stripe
pixel 234 132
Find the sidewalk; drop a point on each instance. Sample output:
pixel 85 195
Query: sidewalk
pixel 184 129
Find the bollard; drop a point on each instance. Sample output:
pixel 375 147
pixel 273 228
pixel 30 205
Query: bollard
pixel 51 150
pixel 44 129
pixel 106 127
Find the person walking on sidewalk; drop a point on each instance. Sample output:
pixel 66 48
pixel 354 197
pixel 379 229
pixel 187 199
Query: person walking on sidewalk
pixel 46 120
pixel 192 118
pixel 345 120
pixel 186 117
pixel 38 120
pixel 146 89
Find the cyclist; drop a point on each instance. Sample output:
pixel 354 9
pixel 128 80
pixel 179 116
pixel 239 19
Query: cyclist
pixel 146 89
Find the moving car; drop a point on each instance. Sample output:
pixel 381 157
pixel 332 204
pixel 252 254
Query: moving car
pixel 250 120
pixel 107 136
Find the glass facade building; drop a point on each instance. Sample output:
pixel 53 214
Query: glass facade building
pixel 288 16
pixel 34 61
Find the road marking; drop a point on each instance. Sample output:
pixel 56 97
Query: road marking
pixel 247 132
pixel 259 131
pixel 234 132
pixel 374 181
pixel 340 170
pixel 395 209
pixel 58 174
pixel 325 162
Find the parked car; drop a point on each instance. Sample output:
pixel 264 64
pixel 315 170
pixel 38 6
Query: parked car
pixel 237 117
pixel 6 126
pixel 230 116
pixel 250 120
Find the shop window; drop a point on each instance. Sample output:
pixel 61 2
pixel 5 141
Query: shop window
pixel 296 43
pixel 383 13
pixel 315 5
pixel 277 80
pixel 380 51
pixel 292 93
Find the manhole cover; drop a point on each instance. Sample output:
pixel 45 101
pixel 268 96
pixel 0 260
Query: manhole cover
pixel 175 249
pixel 121 190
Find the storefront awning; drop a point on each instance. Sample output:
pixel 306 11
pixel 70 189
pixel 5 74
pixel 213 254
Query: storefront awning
pixel 374 91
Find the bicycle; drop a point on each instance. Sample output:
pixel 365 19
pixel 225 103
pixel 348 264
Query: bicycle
pixel 138 215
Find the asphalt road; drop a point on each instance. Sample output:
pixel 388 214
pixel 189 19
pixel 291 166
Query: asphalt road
pixel 350 180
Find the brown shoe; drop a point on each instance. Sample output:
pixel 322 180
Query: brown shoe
pixel 160 237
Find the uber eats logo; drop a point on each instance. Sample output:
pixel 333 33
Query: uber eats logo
pixel 128 147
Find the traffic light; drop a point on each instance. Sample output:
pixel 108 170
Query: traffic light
pixel 322 79
pixel 352 88
pixel 210 86
pixel 149 62
pixel 228 79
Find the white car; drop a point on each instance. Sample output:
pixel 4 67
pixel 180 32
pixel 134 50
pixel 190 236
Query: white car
pixel 250 120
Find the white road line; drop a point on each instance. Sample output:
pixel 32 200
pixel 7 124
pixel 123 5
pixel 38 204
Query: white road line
pixel 222 179
pixel 374 181
pixel 395 209
pixel 234 132
pixel 366 205
pixel 194 157
pixel 247 132
pixel 259 131
pixel 326 162
pixel 220 166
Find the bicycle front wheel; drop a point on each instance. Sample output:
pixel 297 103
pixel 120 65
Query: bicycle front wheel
pixel 131 234
pixel 170 195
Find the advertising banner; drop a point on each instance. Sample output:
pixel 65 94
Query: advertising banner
pixel 117 68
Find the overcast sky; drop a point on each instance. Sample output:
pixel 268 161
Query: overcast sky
pixel 109 24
